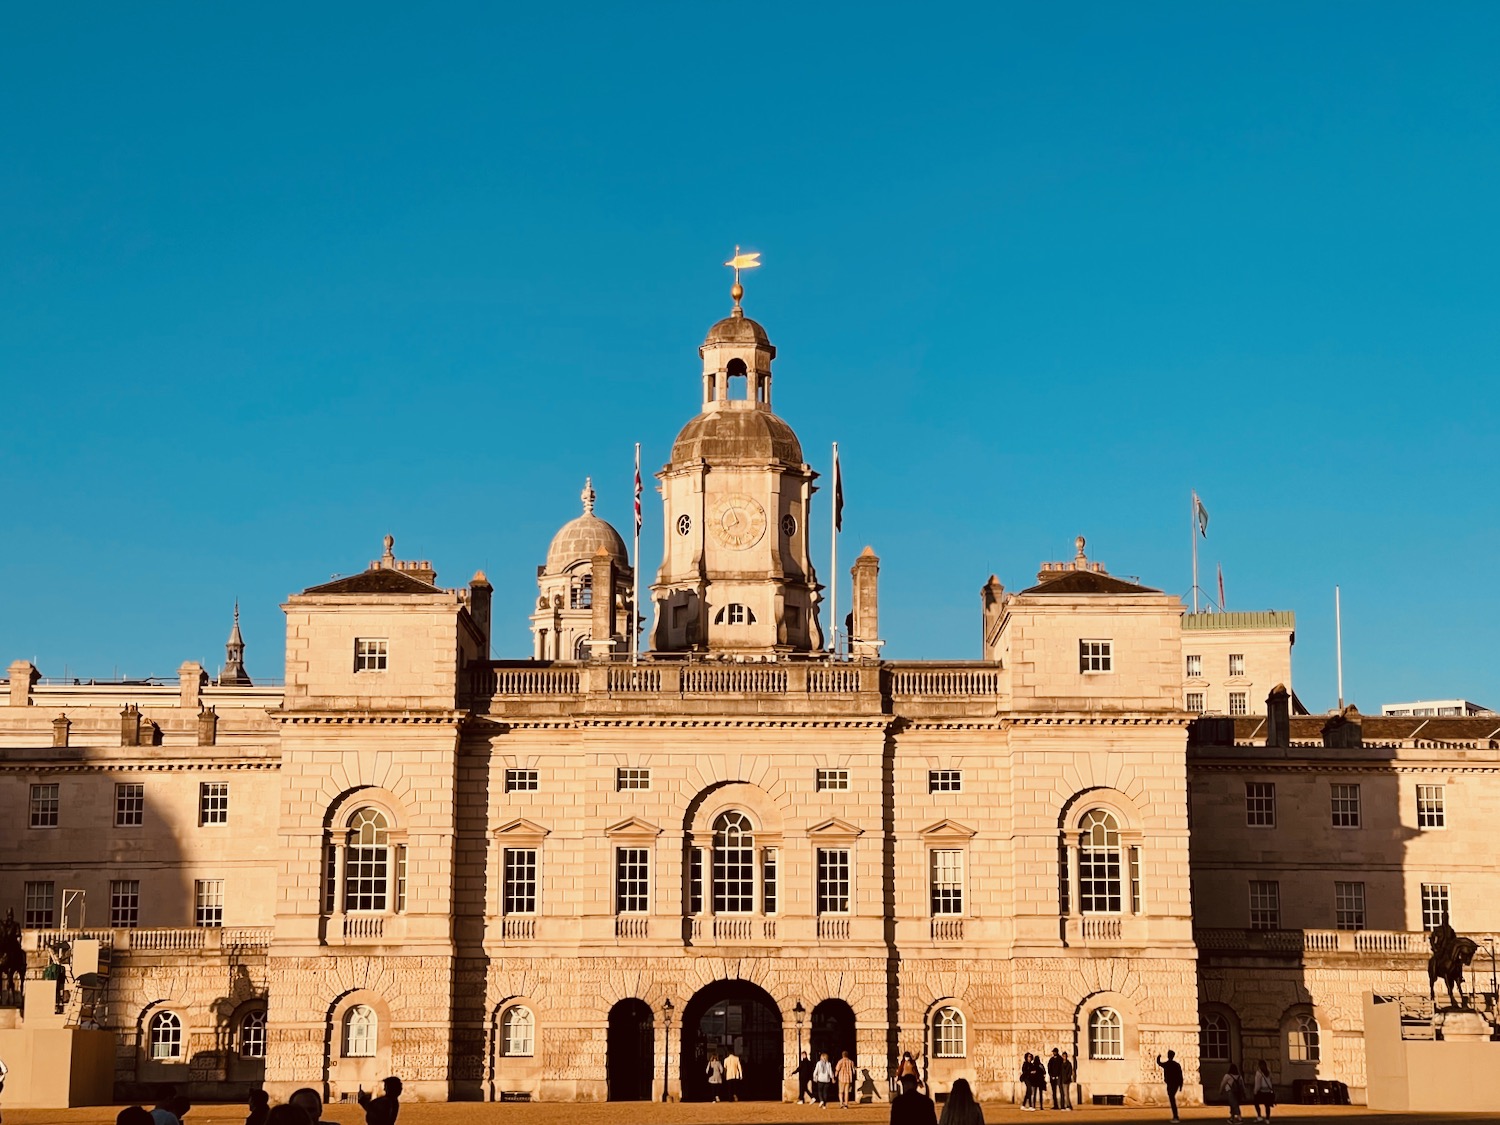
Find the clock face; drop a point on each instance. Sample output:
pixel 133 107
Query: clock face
pixel 788 525
pixel 684 524
pixel 737 521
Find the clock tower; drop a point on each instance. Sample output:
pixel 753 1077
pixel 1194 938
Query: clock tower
pixel 736 575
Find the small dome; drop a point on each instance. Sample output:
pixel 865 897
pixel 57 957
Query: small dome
pixel 737 435
pixel 580 539
pixel 737 330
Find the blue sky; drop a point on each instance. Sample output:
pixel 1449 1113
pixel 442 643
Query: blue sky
pixel 277 281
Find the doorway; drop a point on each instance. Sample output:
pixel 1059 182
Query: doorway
pixel 737 1015
pixel 630 1060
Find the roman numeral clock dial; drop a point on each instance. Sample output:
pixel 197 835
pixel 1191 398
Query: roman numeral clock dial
pixel 737 521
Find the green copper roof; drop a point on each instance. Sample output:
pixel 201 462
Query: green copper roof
pixel 1267 619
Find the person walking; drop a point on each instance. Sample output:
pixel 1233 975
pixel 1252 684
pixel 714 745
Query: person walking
pixel 961 1108
pixel 1067 1081
pixel 911 1106
pixel 804 1072
pixel 1025 1078
pixel 734 1075
pixel 382 1110
pixel 1233 1089
pixel 1263 1092
pixel 1054 1074
pixel 823 1079
pixel 715 1072
pixel 1171 1072
pixel 843 1074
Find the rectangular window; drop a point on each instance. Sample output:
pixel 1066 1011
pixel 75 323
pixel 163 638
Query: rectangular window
pixel 1239 703
pixel 947 881
pixel 768 881
pixel 1195 702
pixel 1236 663
pixel 1431 812
pixel 519 891
pixel 1260 804
pixel 213 802
pixel 944 781
pixel 1265 904
pixel 330 878
pixel 400 878
pixel 632 777
pixel 1135 880
pixel 366 877
pixel 695 881
pixel 1095 656
pixel 208 902
pixel 632 880
pixel 1194 665
pixel 370 654
pixel 40 912
pixel 1345 799
pixel 124 904
pixel 44 806
pixel 130 804
pixel 1434 905
pixel 520 781
pixel 1349 906
pixel 833 880
pixel 832 780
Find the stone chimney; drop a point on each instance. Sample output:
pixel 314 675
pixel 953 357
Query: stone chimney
pixel 23 676
pixel 1279 718
pixel 208 727
pixel 604 627
pixel 130 725
pixel 992 606
pixel 60 728
pixel 864 616
pixel 190 680
pixel 1344 730
pixel 481 597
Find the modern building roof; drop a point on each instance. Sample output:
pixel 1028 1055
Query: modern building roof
pixel 1265 619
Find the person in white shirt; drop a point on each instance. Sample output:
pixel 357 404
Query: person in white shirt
pixel 734 1075
pixel 823 1079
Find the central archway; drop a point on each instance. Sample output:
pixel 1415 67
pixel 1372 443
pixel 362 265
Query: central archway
pixel 630 1058
pixel 733 1014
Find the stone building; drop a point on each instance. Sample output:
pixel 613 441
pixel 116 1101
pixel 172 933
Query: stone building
pixel 576 876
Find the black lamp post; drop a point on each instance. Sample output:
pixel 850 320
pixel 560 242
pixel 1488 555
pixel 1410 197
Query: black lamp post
pixel 666 1054
pixel 800 1013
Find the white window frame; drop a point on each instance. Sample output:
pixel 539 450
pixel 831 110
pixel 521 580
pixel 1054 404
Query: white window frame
pixel 520 883
pixel 835 880
pixel 252 1034
pixel 1236 664
pixel 1194 666
pixel 632 779
pixel 1196 702
pixel 1436 903
pixel 1101 863
pixel 1265 904
pixel 1260 804
pixel 632 880
pixel 359 1037
pixel 1348 905
pixel 1432 807
pixel 1214 1040
pixel 1095 656
pixel 522 780
pixel 39 911
pixel 213 804
pixel 1239 703
pixel 733 863
pixel 372 654
pixel 945 882
pixel 1106 1034
pixel 949 1033
pixel 124 904
pixel 945 781
pixel 1345 804
pixel 517 1032
pixel 1303 1039
pixel 45 805
pixel 208 903
pixel 130 804
pixel 367 862
pixel 832 780
pixel 164 1037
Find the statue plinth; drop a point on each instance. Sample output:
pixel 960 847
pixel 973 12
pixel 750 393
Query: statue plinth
pixel 1461 1025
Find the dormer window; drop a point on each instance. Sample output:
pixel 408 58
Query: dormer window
pixel 735 614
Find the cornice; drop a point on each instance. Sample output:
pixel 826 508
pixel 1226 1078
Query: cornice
pixel 100 765
pixel 369 718
pixel 689 722
pixel 1181 721
pixel 1333 765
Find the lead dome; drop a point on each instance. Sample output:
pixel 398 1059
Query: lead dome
pixel 580 539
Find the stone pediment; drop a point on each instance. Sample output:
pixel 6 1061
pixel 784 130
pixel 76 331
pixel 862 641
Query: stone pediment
pixel 520 831
pixel 948 829
pixel 635 827
pixel 835 827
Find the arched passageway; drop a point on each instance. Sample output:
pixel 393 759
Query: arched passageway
pixel 832 1030
pixel 739 1015
pixel 631 1051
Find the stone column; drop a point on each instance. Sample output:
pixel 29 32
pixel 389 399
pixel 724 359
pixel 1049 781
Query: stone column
pixel 190 678
pixel 603 626
pixel 864 638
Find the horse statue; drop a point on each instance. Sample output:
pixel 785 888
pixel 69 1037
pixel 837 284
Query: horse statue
pixel 1450 953
pixel 12 956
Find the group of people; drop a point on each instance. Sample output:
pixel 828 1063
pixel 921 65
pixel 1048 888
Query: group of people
pixel 1036 1074
pixel 726 1078
pixel 304 1107
pixel 820 1081
pixel 1261 1092
pixel 912 1107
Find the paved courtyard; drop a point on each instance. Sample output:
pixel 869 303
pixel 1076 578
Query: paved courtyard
pixel 750 1113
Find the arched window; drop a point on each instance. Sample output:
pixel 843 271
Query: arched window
pixel 1106 1034
pixel 253 1035
pixel 164 1036
pixel 1302 1039
pixel 581 647
pixel 517 1033
pixel 736 379
pixel 734 864
pixel 1213 1038
pixel 1099 881
pixel 360 1028
pixel 948 1033
pixel 581 593
pixel 735 614
pixel 367 862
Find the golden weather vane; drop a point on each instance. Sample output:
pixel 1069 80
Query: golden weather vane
pixel 737 263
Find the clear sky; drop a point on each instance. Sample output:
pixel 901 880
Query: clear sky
pixel 278 280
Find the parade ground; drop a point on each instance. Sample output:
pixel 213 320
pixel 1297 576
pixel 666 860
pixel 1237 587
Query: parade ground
pixel 746 1113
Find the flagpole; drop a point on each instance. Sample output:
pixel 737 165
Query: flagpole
pixel 635 567
pixel 1338 633
pixel 833 561
pixel 1194 515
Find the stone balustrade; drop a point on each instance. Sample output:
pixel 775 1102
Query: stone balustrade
pixel 1389 943
pixel 157 939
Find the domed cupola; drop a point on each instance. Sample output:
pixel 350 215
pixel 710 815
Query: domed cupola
pixel 562 626
pixel 736 575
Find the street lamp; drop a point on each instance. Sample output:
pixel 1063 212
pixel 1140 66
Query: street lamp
pixel 800 1013
pixel 666 1053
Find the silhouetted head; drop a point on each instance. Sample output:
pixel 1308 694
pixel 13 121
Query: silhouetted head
pixel 1171 1054
pixel 134 1115
pixel 289 1114
pixel 259 1099
pixel 309 1101
pixel 393 1086
pixel 961 1096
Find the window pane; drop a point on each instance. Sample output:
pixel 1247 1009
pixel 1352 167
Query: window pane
pixel 208 896
pixel 1265 904
pixel 947 881
pixel 39 912
pixel 44 806
pixel 948 1033
pixel 833 880
pixel 1106 1034
pixel 632 881
pixel 253 1036
pixel 213 802
pixel 734 865
pixel 1100 878
pixel 1260 804
pixel 361 1030
pixel 1213 1038
pixel 517 1028
pixel 1434 905
pixel 130 804
pixel 124 904
pixel 1430 807
pixel 1349 906
pixel 519 892
pixel 164 1036
pixel 944 781
pixel 1345 800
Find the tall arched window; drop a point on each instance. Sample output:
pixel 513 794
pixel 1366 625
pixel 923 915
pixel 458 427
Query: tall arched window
pixel 367 862
pixel 581 647
pixel 1100 889
pixel 360 1032
pixel 253 1035
pixel 581 593
pixel 948 1033
pixel 517 1033
pixel 1302 1039
pixel 164 1036
pixel 734 864
pixel 1213 1038
pixel 1106 1034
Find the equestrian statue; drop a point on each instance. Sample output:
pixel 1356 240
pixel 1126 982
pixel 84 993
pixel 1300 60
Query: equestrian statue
pixel 12 956
pixel 1450 953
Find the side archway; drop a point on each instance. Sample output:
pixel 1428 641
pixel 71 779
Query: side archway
pixel 630 1059
pixel 832 1029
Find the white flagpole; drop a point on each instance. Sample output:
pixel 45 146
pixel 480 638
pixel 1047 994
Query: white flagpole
pixel 635 563
pixel 1338 633
pixel 1195 550
pixel 833 561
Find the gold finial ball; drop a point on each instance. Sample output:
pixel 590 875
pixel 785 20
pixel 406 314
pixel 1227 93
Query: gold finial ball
pixel 737 291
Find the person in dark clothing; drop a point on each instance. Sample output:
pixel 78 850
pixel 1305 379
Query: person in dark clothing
pixel 260 1107
pixel 910 1107
pixel 804 1072
pixel 1171 1072
pixel 382 1110
pixel 1055 1074
pixel 1067 1081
